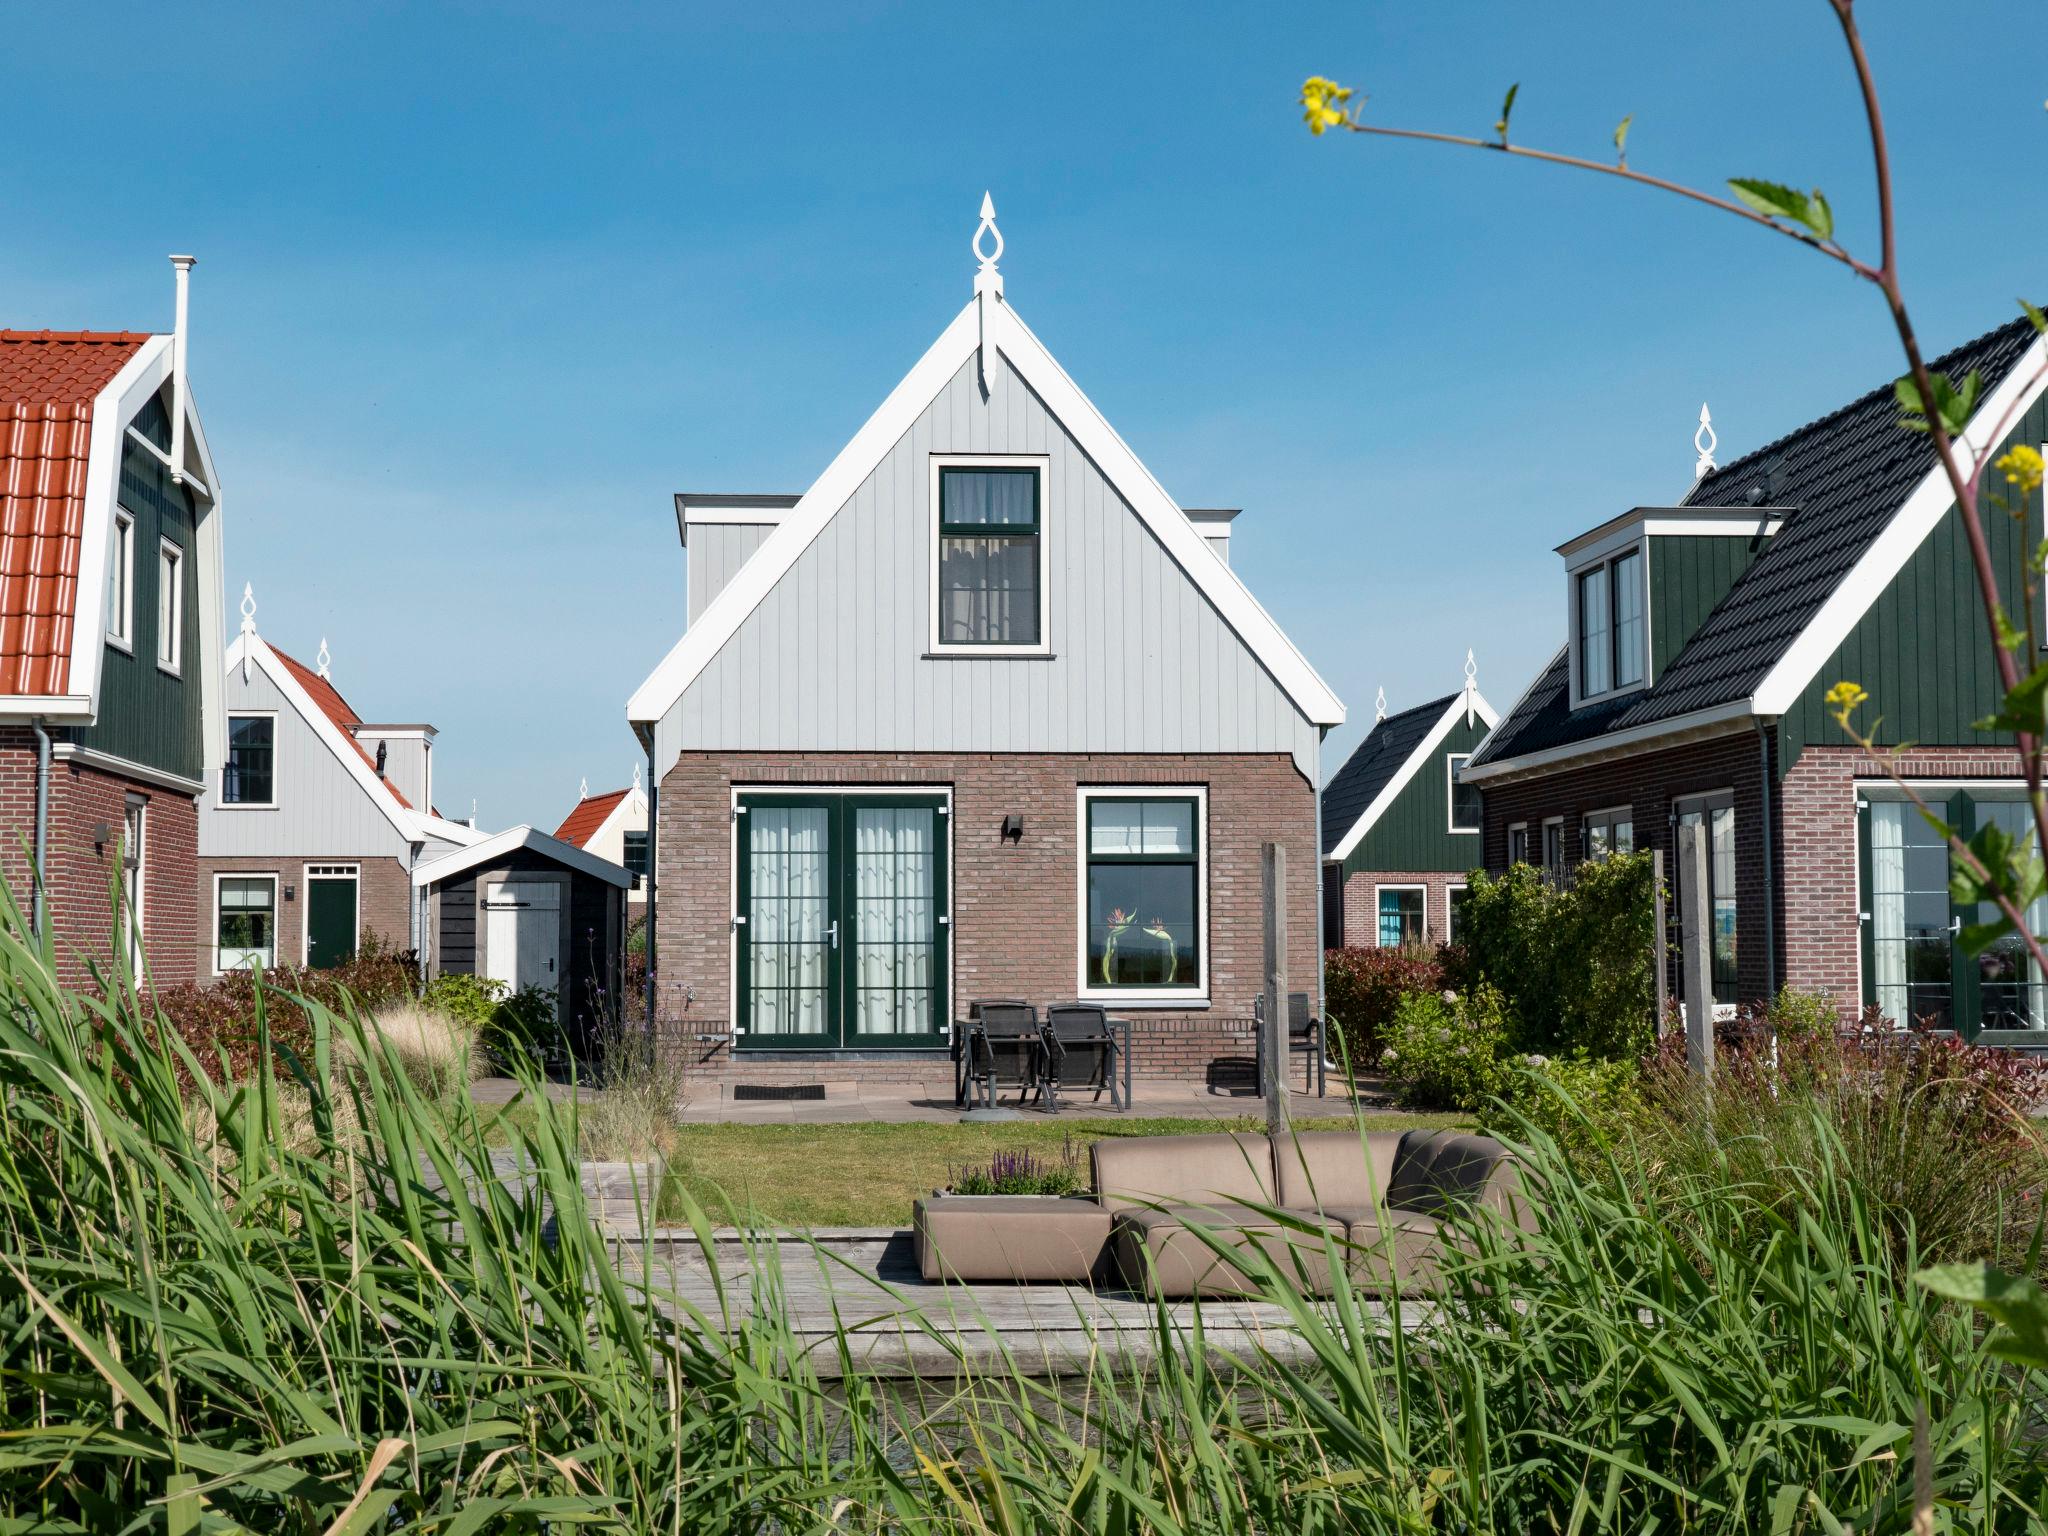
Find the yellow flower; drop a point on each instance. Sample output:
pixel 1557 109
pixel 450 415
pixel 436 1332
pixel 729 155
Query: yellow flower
pixel 1844 697
pixel 2022 466
pixel 1322 103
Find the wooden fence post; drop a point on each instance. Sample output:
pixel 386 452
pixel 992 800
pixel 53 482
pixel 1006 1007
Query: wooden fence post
pixel 1696 948
pixel 1273 1044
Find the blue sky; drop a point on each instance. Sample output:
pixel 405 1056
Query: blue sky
pixel 480 287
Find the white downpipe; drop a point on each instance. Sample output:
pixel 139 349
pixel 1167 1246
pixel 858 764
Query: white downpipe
pixel 179 335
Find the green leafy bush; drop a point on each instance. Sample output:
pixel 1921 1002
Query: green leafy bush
pixel 1581 1101
pixel 471 1000
pixel 1362 988
pixel 1450 1050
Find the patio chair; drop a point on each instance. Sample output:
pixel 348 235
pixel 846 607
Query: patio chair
pixel 1080 1051
pixel 961 1046
pixel 1304 1033
pixel 1003 1050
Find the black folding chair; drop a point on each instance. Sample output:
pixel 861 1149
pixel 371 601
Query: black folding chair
pixel 1080 1051
pixel 962 1047
pixel 1304 1033
pixel 1003 1050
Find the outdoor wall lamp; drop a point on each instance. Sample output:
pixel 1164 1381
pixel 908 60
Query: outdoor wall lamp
pixel 1013 828
pixel 290 892
pixel 101 836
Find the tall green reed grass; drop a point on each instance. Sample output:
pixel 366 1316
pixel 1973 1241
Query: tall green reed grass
pixel 301 1300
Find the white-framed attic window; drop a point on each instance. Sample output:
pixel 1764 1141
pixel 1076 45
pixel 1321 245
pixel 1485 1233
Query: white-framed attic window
pixel 1610 629
pixel 1465 813
pixel 121 583
pixel 170 607
pixel 990 562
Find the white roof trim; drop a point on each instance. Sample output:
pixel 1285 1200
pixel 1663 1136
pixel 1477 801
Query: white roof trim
pixel 434 871
pixel 338 741
pixel 858 459
pixel 426 824
pixel 1906 532
pixel 1424 751
pixel 631 801
pixel 697 514
pixel 1718 721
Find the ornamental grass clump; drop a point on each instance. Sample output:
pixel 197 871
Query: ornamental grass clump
pixel 1021 1172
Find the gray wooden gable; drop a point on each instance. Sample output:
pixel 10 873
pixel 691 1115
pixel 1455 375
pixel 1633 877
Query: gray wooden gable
pixel 322 811
pixel 834 657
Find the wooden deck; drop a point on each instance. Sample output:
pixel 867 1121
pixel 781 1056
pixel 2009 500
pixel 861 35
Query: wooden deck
pixel 863 1284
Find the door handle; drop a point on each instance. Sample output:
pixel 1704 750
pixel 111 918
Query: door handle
pixel 834 931
pixel 1955 925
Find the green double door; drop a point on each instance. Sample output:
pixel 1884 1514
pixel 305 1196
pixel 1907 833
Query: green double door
pixel 331 913
pixel 842 927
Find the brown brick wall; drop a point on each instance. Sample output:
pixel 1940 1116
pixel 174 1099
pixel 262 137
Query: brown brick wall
pixel 384 890
pixel 1014 920
pixel 1822 938
pixel 80 875
pixel 1362 907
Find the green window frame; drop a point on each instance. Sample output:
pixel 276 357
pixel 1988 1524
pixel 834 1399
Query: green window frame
pixel 989 566
pixel 1148 851
pixel 635 856
pixel 249 777
pixel 1403 912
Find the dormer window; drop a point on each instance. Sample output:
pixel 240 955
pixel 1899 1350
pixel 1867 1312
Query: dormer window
pixel 1610 632
pixel 988 556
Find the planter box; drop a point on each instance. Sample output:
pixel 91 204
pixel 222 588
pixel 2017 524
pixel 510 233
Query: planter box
pixel 622 1196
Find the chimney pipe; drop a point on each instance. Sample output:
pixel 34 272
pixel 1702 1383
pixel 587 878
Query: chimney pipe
pixel 184 264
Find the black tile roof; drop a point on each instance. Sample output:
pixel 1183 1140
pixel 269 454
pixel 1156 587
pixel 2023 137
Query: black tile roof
pixel 1373 763
pixel 1844 475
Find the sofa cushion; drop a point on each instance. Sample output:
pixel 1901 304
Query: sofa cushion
pixel 1435 1170
pixel 1317 1170
pixel 1159 1250
pixel 1180 1170
pixel 1395 1250
pixel 1009 1237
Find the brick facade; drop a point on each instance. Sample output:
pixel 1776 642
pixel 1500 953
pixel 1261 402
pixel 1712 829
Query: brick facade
pixel 1014 919
pixel 83 860
pixel 1361 904
pixel 383 894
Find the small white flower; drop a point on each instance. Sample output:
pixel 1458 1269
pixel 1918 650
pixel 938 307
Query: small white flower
pixel 1538 1062
pixel 1389 1054
pixel 1450 996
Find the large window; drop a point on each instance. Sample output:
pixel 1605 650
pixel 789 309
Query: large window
pixel 245 922
pixel 1464 797
pixel 1518 843
pixel 990 565
pixel 249 777
pixel 170 606
pixel 1401 915
pixel 121 583
pixel 1609 831
pixel 636 857
pixel 1454 911
pixel 1144 898
pixel 1716 813
pixel 1609 599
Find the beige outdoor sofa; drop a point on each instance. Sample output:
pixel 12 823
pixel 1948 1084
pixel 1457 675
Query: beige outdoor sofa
pixel 1384 1199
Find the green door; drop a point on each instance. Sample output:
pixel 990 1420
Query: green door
pixel 330 916
pixel 842 925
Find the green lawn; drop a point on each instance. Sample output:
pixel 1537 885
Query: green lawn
pixel 866 1175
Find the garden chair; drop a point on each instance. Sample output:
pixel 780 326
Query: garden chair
pixel 961 1048
pixel 1304 1033
pixel 1080 1051
pixel 1003 1051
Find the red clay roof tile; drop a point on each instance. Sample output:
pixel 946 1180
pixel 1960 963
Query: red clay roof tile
pixel 48 381
pixel 330 703
pixel 581 824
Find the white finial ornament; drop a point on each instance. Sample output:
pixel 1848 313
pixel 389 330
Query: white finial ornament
pixel 1705 440
pixel 583 790
pixel 248 625
pixel 988 284
pixel 323 660
pixel 1471 684
pixel 636 778
pixel 1379 706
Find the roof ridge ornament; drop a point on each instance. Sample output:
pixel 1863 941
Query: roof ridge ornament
pixel 1471 684
pixel 1706 442
pixel 636 778
pixel 988 283
pixel 1379 707
pixel 583 789
pixel 248 625
pixel 323 661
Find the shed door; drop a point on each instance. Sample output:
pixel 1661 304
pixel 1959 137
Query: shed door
pixel 523 935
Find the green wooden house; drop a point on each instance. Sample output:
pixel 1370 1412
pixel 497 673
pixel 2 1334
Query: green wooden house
pixel 1701 642
pixel 1401 828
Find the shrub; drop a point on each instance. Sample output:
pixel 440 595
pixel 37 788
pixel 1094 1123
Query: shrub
pixel 1020 1173
pixel 470 1000
pixel 436 1051
pixel 1362 987
pixel 627 1111
pixel 1450 1050
pixel 1582 1102
pixel 1791 1014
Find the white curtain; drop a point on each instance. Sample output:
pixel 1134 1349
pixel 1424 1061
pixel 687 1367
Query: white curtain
pixel 893 887
pixel 788 945
pixel 1888 905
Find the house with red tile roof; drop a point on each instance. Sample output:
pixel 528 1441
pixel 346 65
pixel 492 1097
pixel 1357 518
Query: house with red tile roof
pixel 613 825
pixel 983 714
pixel 312 828
pixel 110 587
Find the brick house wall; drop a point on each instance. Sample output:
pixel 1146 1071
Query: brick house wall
pixel 80 873
pixel 1362 910
pixel 383 894
pixel 1015 927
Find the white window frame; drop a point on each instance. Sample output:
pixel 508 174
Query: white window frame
pixel 1451 760
pixel 1398 885
pixel 1639 547
pixel 1607 815
pixel 170 605
pixel 1523 828
pixel 220 799
pixel 276 904
pixel 121 558
pixel 1138 996
pixel 1043 464
pixel 327 870
pixel 1452 890
pixel 135 892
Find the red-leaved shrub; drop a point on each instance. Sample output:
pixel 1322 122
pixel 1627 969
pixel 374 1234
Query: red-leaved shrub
pixel 1362 987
